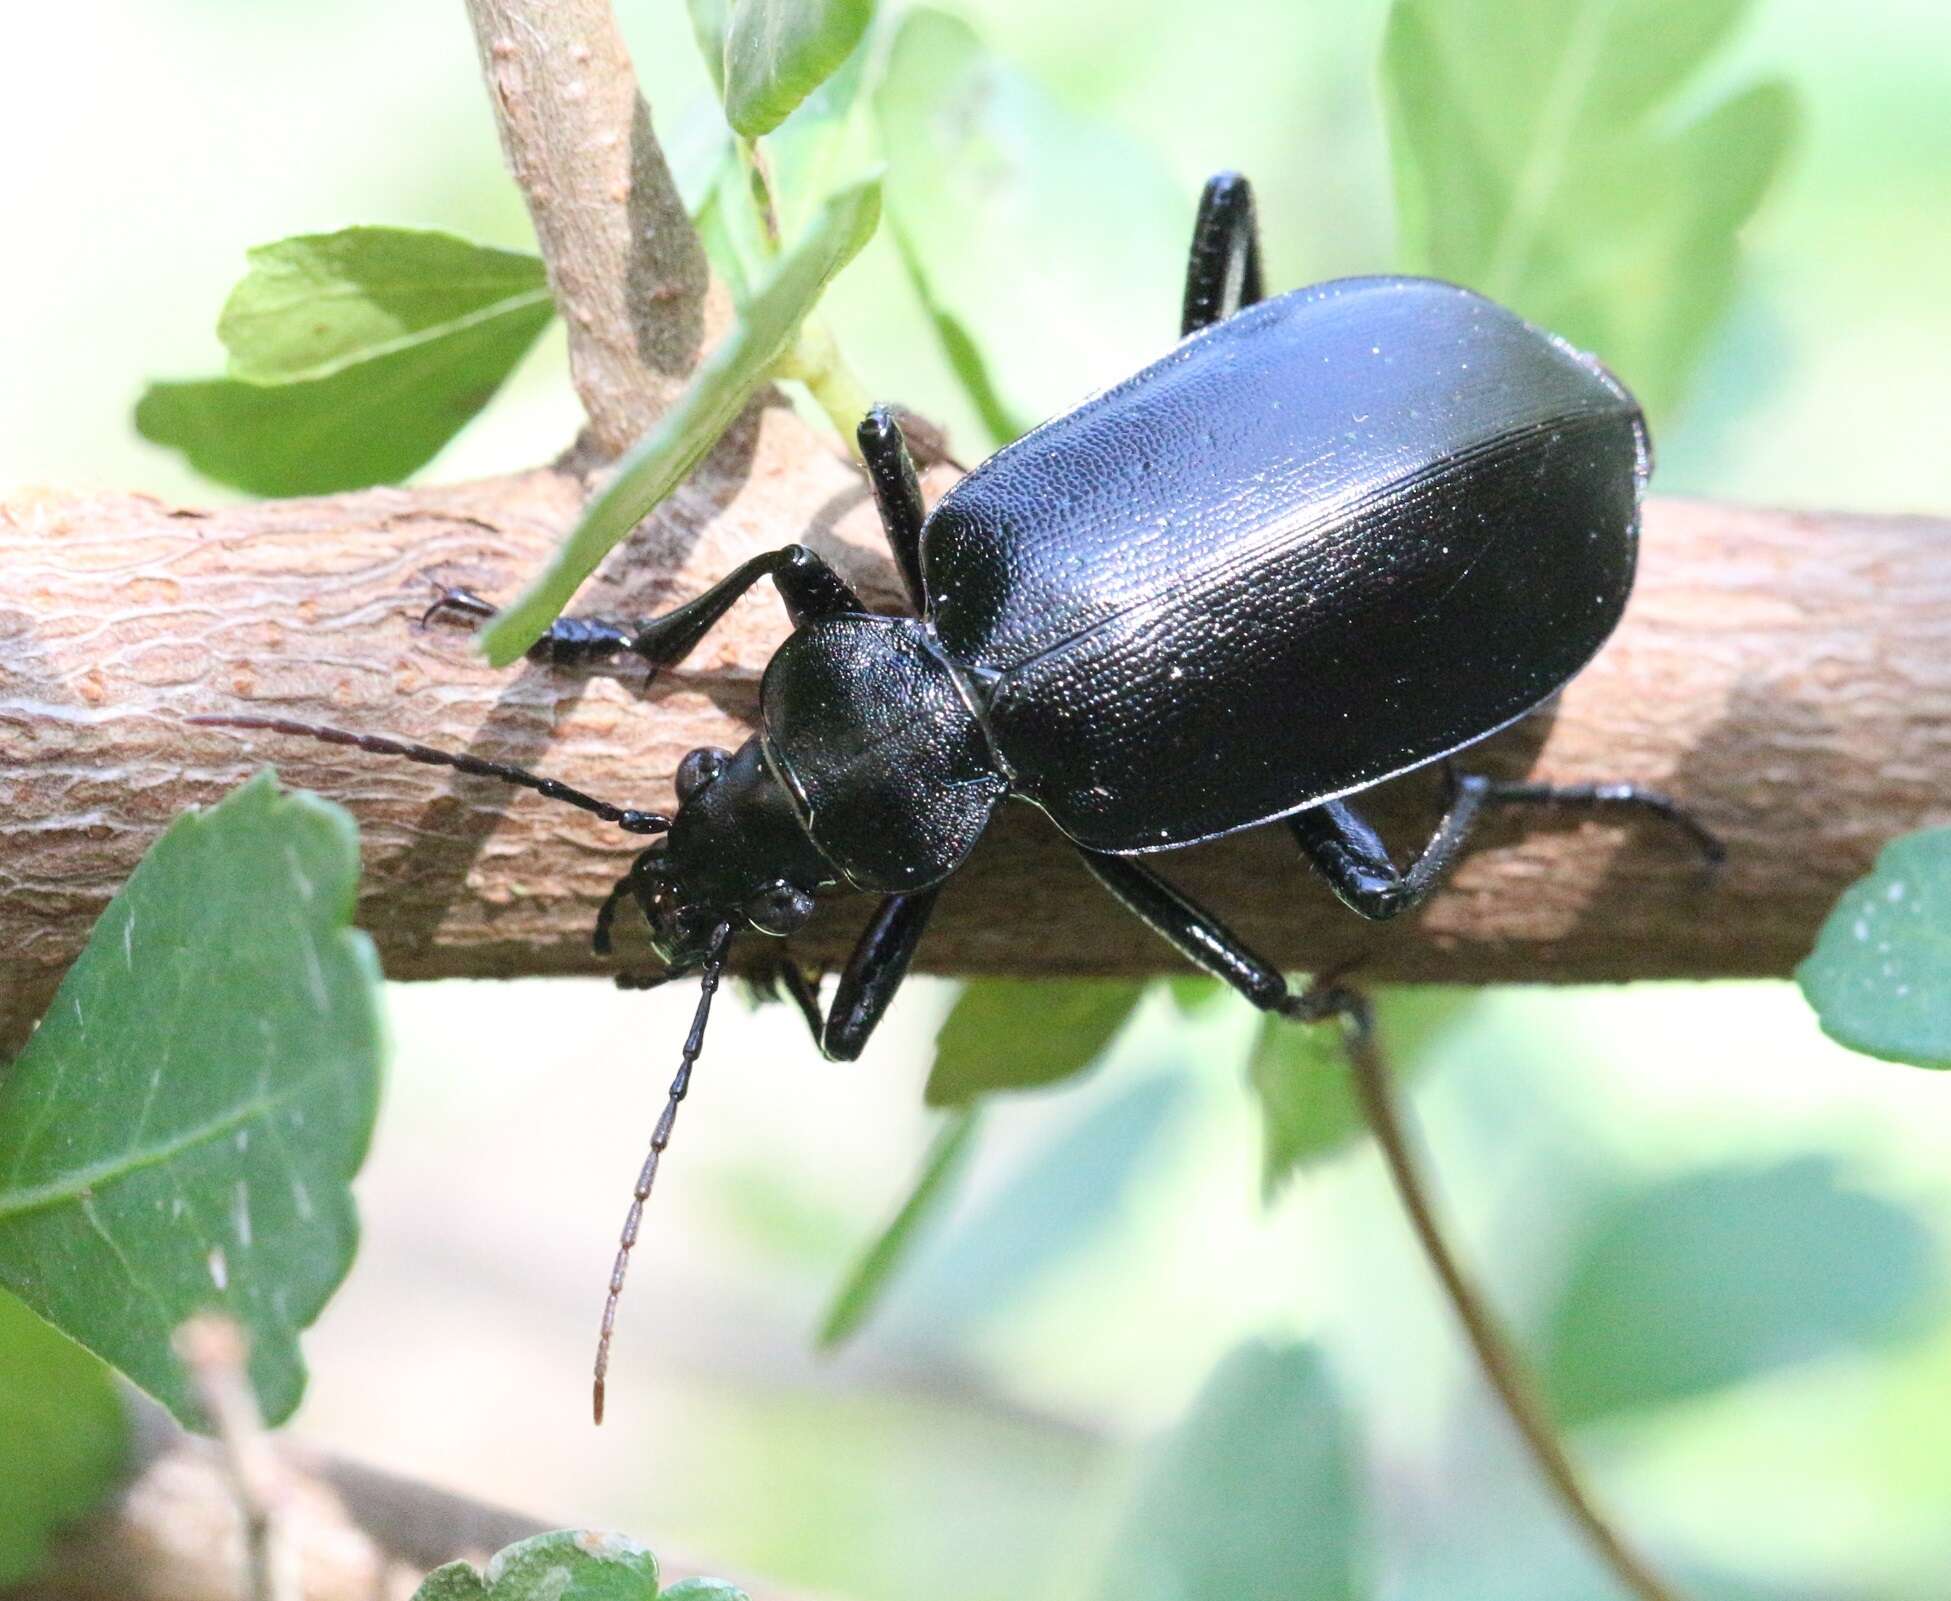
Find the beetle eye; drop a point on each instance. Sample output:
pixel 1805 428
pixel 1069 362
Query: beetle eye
pixel 698 769
pixel 779 909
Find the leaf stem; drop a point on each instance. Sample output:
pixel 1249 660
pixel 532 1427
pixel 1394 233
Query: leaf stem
pixel 1499 1361
pixel 815 360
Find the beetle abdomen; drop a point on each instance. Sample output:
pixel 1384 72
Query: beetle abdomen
pixel 1333 538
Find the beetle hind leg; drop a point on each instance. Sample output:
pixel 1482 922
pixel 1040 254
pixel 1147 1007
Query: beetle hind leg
pixel 1350 855
pixel 1223 270
pixel 1206 942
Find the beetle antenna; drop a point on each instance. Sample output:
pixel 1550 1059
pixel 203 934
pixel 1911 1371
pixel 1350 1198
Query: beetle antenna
pixel 714 968
pixel 626 818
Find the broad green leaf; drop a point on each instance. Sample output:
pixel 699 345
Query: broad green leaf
pixel 1018 1033
pixel 1257 1494
pixel 1539 159
pixel 1050 246
pixel 704 1590
pixel 180 1132
pixel 65 1434
pixel 1299 1073
pixel 1715 1277
pixel 777 52
pixel 821 145
pixel 764 332
pixel 567 1565
pixel 1065 1195
pixel 864 1286
pixel 374 423
pixel 709 20
pixel 1880 975
pixel 319 303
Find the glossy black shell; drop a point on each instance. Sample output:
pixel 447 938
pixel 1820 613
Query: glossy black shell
pixel 881 757
pixel 1332 538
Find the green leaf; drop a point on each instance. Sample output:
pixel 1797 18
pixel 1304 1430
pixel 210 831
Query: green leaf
pixel 865 1285
pixel 1018 1033
pixel 822 137
pixel 567 1565
pixel 1715 1277
pixel 1300 1075
pixel 1047 244
pixel 354 358
pixel 764 332
pixel 180 1132
pixel 704 1590
pixel 319 303
pixel 1880 975
pixel 1257 1494
pixel 709 20
pixel 1068 1193
pixel 65 1432
pixel 777 52
pixel 1539 160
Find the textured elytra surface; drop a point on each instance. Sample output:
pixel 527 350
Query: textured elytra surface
pixel 1323 542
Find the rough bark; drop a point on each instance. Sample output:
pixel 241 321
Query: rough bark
pixel 1786 676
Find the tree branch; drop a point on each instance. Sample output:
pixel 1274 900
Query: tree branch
pixel 1786 676
pixel 173 1531
pixel 628 273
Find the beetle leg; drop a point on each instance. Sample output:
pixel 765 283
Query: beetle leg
pixel 570 641
pixel 1206 942
pixel 874 972
pixel 897 494
pixel 1351 856
pixel 1223 273
pixel 802 989
pixel 809 587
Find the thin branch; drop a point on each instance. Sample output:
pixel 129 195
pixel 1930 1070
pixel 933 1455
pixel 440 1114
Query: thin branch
pixel 351 1533
pixel 212 1348
pixel 1496 1357
pixel 624 262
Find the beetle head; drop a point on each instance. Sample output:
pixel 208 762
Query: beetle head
pixel 736 854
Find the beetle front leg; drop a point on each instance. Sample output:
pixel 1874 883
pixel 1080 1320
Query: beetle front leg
pixel 1223 273
pixel 1350 855
pixel 810 588
pixel 869 981
pixel 570 641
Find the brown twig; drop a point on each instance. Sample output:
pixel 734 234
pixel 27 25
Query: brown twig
pixel 624 262
pixel 1499 1362
pixel 213 1351
pixel 350 1532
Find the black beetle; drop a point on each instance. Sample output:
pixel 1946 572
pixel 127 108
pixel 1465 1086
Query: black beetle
pixel 1328 538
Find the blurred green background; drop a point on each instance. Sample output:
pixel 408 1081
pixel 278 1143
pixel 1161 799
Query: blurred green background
pixel 981 1436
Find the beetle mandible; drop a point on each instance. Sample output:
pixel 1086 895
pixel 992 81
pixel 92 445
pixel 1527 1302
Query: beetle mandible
pixel 1328 538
